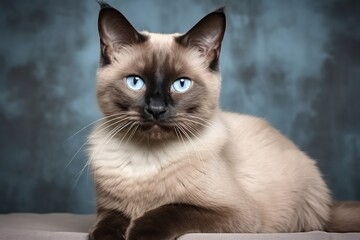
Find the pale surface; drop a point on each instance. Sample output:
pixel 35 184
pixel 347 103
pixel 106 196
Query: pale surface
pixel 60 226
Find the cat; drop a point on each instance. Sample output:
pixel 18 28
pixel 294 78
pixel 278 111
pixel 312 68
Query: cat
pixel 167 161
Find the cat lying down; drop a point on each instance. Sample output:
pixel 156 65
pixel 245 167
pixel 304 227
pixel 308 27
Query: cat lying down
pixel 167 161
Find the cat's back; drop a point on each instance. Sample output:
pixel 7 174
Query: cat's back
pixel 255 148
pixel 270 167
pixel 253 136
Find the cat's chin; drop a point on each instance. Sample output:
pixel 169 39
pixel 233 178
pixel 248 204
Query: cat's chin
pixel 157 131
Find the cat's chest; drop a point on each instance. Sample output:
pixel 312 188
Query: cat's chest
pixel 134 179
pixel 130 195
pixel 135 182
pixel 135 195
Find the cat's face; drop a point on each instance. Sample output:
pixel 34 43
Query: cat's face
pixel 159 86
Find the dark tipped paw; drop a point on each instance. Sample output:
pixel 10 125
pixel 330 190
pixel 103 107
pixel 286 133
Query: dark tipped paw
pixel 148 233
pixel 106 233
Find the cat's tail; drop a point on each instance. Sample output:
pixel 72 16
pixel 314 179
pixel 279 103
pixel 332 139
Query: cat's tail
pixel 345 217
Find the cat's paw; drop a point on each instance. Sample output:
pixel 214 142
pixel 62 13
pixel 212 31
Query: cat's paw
pixel 106 233
pixel 148 232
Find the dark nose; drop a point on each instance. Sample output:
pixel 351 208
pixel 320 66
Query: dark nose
pixel 155 111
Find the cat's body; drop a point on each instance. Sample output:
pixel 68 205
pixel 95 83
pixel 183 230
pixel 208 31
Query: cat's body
pixel 167 161
pixel 239 163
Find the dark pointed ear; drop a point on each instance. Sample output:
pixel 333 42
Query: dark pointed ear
pixel 207 36
pixel 115 31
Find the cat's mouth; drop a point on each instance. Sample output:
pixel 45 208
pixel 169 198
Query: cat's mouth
pixel 156 129
pixel 161 125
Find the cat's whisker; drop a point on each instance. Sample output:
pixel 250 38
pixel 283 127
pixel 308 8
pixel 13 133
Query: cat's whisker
pixel 193 145
pixel 193 132
pixel 182 140
pixel 97 132
pixel 90 124
pixel 114 117
pixel 112 133
pixel 122 139
pixel 108 138
pixel 129 138
pixel 121 120
pixel 176 133
pixel 196 117
pixel 202 123
pixel 195 122
pixel 163 142
pixel 132 133
pixel 210 122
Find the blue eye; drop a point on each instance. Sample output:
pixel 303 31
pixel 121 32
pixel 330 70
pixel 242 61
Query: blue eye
pixel 181 85
pixel 135 82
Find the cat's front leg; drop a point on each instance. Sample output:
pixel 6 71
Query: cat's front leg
pixel 110 225
pixel 171 221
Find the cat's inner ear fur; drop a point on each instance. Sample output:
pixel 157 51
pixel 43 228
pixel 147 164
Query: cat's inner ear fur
pixel 115 32
pixel 206 36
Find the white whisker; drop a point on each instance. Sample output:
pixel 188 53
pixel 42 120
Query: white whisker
pixel 182 140
pixel 132 133
pixel 192 131
pixel 122 139
pixel 209 122
pixel 112 133
pixel 119 120
pixel 90 124
pixel 193 145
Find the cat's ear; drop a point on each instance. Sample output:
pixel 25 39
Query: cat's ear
pixel 206 36
pixel 115 31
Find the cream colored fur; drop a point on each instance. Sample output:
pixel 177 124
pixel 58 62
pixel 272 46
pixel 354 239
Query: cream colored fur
pixel 239 162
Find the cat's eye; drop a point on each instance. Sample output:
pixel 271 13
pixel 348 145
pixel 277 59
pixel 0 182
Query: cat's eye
pixel 135 82
pixel 181 85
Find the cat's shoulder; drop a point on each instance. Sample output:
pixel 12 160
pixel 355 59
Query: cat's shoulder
pixel 247 126
pixel 232 118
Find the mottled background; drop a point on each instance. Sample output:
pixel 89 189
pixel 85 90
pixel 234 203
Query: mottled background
pixel 295 63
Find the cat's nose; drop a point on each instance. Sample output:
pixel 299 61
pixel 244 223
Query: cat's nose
pixel 155 111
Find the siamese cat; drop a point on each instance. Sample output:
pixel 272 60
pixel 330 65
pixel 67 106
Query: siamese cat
pixel 167 161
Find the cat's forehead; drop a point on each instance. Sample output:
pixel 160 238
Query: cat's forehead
pixel 160 39
pixel 160 53
pixel 160 48
pixel 163 52
pixel 163 48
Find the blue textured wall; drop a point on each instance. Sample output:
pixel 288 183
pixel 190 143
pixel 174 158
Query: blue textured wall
pixel 295 63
